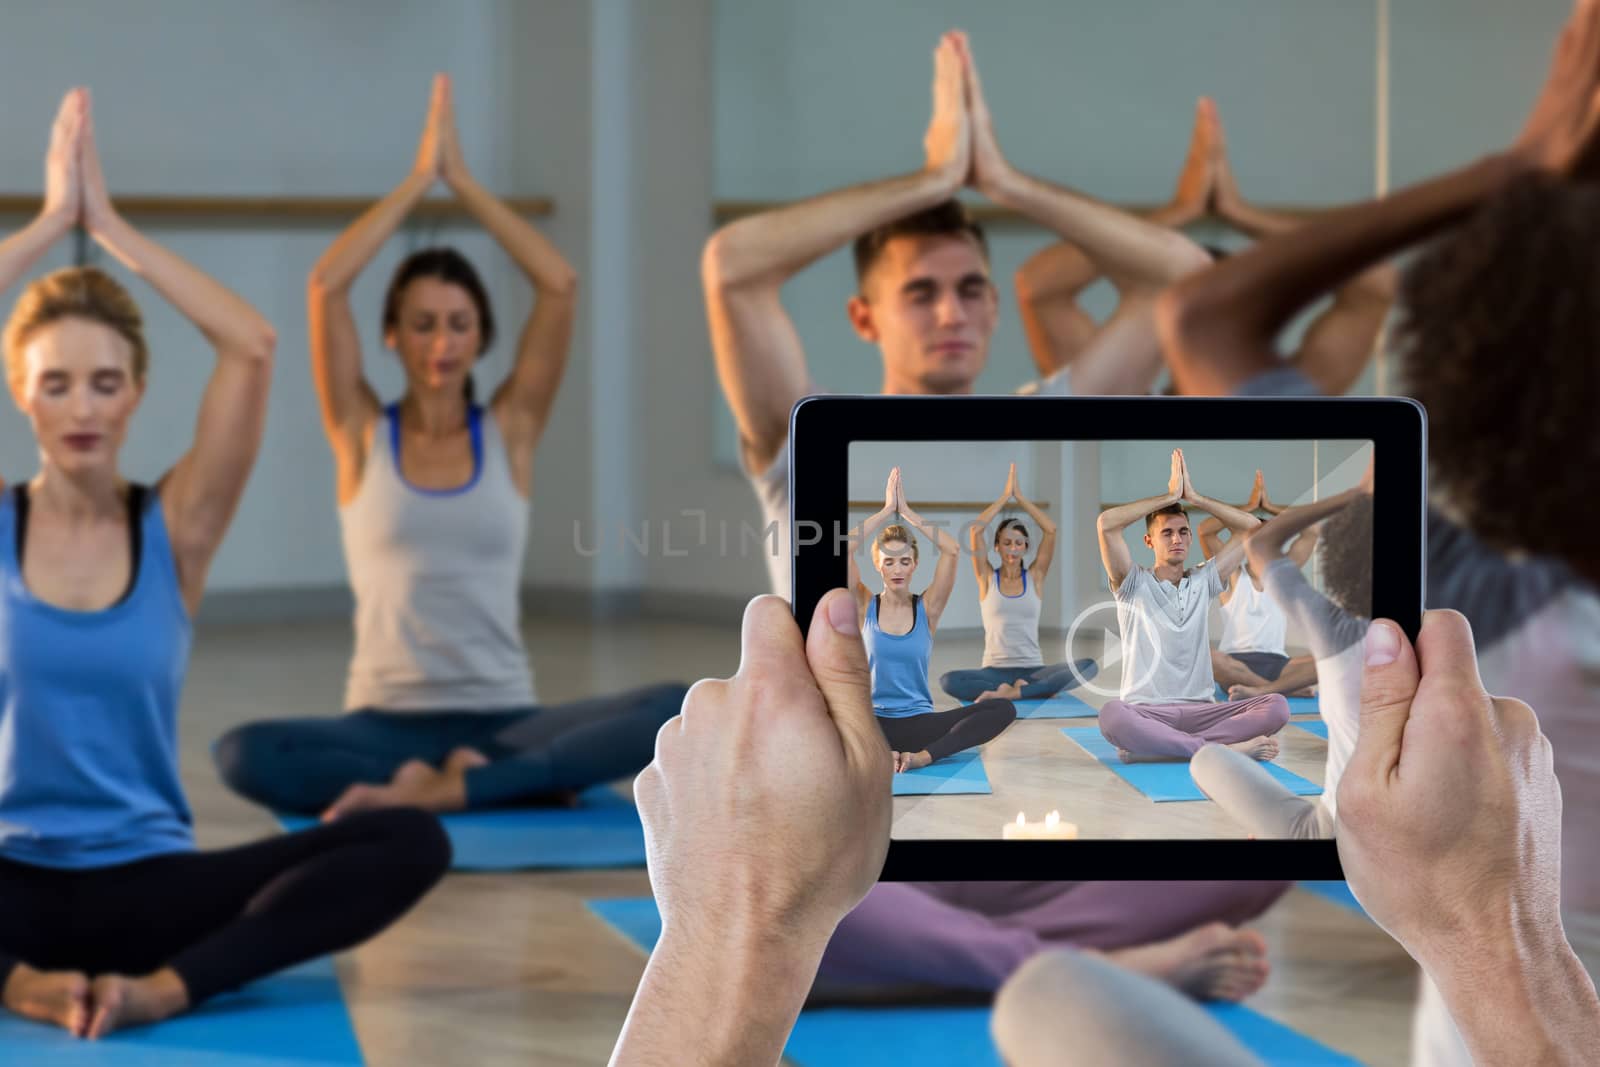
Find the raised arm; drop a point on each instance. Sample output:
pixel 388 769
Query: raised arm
pixel 1047 537
pixel 760 361
pixel 1218 327
pixel 1112 521
pixel 937 595
pixel 521 404
pixel 1050 282
pixel 1210 543
pixel 862 534
pixel 1339 343
pixel 1268 542
pixel 63 198
pixel 348 402
pixel 978 532
pixel 200 493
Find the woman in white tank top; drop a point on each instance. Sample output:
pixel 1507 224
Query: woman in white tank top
pixel 1010 597
pixel 433 504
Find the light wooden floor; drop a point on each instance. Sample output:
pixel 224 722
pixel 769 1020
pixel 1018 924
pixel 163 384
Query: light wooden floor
pixel 1034 768
pixel 511 970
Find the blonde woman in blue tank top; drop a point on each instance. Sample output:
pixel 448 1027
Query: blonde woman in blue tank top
pixel 109 915
pixel 1010 598
pixel 433 505
pixel 897 627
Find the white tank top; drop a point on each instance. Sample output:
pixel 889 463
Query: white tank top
pixel 1251 621
pixel 1011 625
pixel 436 576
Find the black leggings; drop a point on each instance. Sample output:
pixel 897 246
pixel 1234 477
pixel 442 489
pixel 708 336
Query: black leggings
pixel 303 765
pixel 944 733
pixel 225 917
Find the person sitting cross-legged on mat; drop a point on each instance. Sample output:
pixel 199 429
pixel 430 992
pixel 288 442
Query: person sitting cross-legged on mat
pixel 433 501
pixel 1165 710
pixel 1251 658
pixel 1333 624
pixel 1010 598
pixel 109 916
pixel 898 627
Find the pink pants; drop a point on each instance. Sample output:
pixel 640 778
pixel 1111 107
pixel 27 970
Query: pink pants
pixel 973 935
pixel 1178 731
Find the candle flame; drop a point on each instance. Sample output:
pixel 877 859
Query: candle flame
pixel 1020 820
pixel 1053 818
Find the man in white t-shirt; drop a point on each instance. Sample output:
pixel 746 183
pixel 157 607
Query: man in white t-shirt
pixel 1166 710
pixel 925 296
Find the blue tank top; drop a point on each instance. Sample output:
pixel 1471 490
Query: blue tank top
pixel 89 714
pixel 899 665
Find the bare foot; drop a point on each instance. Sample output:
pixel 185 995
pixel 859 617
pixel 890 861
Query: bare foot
pixel 1308 691
pixel 1211 962
pixel 121 1002
pixel 59 997
pixel 1243 692
pixel 1003 691
pixel 911 761
pixel 1261 748
pixel 463 760
pixel 414 785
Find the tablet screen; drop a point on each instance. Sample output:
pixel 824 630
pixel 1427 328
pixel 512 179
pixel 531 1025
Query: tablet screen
pixel 1061 651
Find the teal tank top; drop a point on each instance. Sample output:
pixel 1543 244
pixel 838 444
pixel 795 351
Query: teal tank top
pixel 89 712
pixel 899 664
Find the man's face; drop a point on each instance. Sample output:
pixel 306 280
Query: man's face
pixel 1169 540
pixel 929 306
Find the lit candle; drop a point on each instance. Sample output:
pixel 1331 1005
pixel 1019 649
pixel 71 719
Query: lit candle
pixel 1053 828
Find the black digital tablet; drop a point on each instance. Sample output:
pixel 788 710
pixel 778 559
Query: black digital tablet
pixel 1052 723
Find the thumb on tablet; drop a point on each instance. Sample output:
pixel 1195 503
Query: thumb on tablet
pixel 1389 682
pixel 838 662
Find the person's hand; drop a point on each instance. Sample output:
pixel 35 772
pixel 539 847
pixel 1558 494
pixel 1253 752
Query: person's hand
pixel 435 131
pixel 1175 483
pixel 1562 132
pixel 947 145
pixel 1226 200
pixel 452 166
pixel 1011 483
pixel 989 166
pixel 1368 477
pixel 96 207
pixel 1187 495
pixel 1192 197
pixel 1258 494
pixel 891 495
pixel 766 810
pixel 1449 811
pixel 63 169
pixel 900 493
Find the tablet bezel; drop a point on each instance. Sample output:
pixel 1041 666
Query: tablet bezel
pixel 821 429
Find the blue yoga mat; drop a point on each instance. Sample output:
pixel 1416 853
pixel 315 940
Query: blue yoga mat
pixel 1163 782
pixel 1337 892
pixel 1297 705
pixel 961 773
pixel 293 1019
pixel 1318 728
pixel 603 831
pixel 946 1036
pixel 1060 706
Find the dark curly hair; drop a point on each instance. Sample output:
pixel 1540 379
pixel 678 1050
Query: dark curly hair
pixel 1344 553
pixel 1500 341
